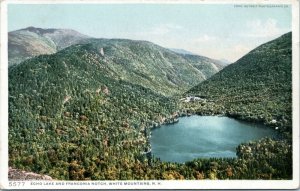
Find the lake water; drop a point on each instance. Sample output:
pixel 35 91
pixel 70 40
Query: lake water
pixel 203 137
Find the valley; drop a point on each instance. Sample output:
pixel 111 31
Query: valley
pixel 85 109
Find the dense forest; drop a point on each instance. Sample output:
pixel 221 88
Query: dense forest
pixel 74 116
pixel 257 88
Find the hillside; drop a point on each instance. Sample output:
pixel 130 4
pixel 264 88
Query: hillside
pixel 146 64
pixel 29 42
pixel 73 119
pixel 258 87
pixel 86 111
pixel 140 62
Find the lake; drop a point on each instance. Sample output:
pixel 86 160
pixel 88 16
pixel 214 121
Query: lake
pixel 203 137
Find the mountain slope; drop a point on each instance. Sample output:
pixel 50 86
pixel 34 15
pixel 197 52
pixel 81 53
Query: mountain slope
pixel 221 62
pixel 74 119
pixel 149 65
pixel 257 87
pixel 139 62
pixel 181 51
pixel 29 42
pixel 85 112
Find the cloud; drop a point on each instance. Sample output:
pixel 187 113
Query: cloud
pixel 205 38
pixel 161 30
pixel 263 29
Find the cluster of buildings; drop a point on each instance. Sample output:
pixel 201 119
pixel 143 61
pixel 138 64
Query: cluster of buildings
pixel 192 99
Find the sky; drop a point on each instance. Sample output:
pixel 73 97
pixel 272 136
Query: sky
pixel 217 31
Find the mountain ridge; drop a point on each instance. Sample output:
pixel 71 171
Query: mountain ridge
pixel 152 65
pixel 143 62
pixel 48 41
pixel 182 51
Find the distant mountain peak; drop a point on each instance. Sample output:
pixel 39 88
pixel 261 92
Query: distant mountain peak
pixel 33 41
pixel 40 31
pixel 225 61
pixel 182 51
pixel 43 31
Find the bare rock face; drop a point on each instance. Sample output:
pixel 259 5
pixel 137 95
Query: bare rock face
pixel 101 51
pixel 15 174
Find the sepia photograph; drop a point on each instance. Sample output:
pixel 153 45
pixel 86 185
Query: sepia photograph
pixel 151 95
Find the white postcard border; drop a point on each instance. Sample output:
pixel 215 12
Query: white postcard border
pixel 155 184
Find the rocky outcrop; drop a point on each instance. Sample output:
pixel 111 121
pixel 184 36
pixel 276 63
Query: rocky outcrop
pixel 16 174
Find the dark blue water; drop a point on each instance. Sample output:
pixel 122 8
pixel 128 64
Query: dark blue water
pixel 203 137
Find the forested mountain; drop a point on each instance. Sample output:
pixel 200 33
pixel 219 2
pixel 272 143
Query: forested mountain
pixel 138 62
pixel 72 118
pixel 85 112
pixel 29 42
pixel 150 65
pixel 258 87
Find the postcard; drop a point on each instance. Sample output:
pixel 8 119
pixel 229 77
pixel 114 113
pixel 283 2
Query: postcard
pixel 149 94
